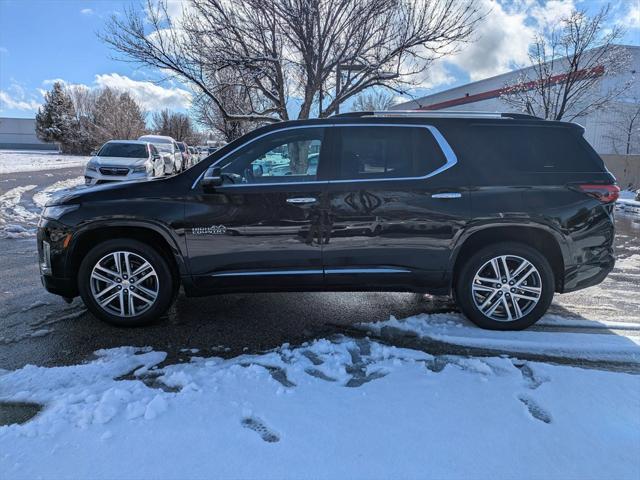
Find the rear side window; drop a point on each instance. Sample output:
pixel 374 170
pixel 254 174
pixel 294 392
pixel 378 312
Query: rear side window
pixel 532 149
pixel 371 152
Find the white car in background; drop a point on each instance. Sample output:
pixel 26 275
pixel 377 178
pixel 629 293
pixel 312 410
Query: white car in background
pixel 169 150
pixel 124 160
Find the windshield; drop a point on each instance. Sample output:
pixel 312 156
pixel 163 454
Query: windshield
pixel 126 150
pixel 181 147
pixel 164 147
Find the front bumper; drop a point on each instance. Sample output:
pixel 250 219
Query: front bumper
pixel 52 258
pixel 92 177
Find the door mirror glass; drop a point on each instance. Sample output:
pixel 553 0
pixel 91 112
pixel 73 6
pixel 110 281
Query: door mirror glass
pixel 212 179
pixel 258 171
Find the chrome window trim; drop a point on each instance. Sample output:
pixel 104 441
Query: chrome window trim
pixel 450 157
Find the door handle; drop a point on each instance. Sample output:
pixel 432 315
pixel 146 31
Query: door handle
pixel 302 200
pixel 447 195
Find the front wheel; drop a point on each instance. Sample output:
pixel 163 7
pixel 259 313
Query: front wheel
pixel 126 283
pixel 505 286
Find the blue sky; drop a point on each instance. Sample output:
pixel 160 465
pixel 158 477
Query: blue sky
pixel 45 40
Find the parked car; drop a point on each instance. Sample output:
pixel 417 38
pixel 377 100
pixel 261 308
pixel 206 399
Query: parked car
pixel 169 150
pixel 500 210
pixel 124 160
pixel 195 155
pixel 186 155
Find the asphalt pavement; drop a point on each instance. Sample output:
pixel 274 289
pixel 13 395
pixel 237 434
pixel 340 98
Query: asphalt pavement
pixel 39 328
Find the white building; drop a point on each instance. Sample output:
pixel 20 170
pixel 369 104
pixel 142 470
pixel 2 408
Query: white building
pixel 600 127
pixel 20 134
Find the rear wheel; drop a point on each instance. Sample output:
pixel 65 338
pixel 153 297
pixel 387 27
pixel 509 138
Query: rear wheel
pixel 505 286
pixel 126 283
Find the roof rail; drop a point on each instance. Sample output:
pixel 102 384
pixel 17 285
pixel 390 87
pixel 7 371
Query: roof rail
pixel 436 114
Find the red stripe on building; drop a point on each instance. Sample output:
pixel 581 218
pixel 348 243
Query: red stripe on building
pixel 581 74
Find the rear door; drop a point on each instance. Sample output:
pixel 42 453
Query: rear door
pixel 260 229
pixel 396 205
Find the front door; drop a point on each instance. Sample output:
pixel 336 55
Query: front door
pixel 396 206
pixel 260 229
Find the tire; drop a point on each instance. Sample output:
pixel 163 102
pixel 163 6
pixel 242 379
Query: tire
pixel 95 283
pixel 475 287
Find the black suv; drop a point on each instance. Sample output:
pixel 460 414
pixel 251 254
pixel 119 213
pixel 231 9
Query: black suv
pixel 502 210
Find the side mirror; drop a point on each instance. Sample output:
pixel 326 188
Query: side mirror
pixel 94 153
pixel 258 171
pixel 156 156
pixel 212 179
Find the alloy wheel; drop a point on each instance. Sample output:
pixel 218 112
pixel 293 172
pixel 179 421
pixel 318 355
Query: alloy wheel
pixel 124 284
pixel 506 288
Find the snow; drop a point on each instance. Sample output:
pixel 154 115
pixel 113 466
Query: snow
pixel 626 203
pixel 42 197
pixel 453 328
pixel 14 161
pixel 12 213
pixel 333 409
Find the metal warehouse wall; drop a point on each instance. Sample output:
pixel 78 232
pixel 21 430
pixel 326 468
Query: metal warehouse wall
pixel 20 134
pixel 600 127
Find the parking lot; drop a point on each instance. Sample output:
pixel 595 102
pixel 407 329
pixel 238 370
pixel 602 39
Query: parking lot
pixel 39 328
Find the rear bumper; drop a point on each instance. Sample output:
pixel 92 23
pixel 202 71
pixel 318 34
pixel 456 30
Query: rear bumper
pixel 588 274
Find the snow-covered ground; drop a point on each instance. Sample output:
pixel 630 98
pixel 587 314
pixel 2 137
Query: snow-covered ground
pixel 627 203
pixel 19 218
pixel 343 408
pixel 454 328
pixel 13 161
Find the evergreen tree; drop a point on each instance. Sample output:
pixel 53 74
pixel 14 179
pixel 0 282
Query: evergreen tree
pixel 56 119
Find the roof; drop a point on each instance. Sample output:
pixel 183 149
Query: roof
pixel 135 142
pixel 156 138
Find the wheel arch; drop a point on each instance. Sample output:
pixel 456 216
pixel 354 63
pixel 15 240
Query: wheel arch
pixel 153 235
pixel 547 241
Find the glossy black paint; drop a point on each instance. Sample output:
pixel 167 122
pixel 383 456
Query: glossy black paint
pixel 373 235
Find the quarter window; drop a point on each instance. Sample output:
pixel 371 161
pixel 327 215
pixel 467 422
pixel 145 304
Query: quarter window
pixel 371 152
pixel 287 156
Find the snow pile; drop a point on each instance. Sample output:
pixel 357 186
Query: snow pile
pixel 627 203
pixel 333 409
pixel 457 330
pixel 14 161
pixel 42 197
pixel 13 214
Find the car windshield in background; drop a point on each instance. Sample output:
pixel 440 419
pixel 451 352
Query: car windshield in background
pixel 164 147
pixel 126 150
pixel 181 147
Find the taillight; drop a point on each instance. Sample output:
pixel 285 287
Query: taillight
pixel 604 193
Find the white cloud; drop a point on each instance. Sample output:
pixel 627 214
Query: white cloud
pixel 502 41
pixel 632 18
pixel 86 11
pixel 4 50
pixel 11 102
pixel 149 95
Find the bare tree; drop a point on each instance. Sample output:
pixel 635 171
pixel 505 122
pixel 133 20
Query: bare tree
pixel 624 128
pixel 116 116
pixel 568 66
pixel 320 51
pixel 176 125
pixel 235 98
pixel 373 101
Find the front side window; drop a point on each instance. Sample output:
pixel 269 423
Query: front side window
pixel 286 156
pixel 374 152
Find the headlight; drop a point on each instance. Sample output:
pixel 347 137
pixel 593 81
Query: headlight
pixel 56 211
pixel 91 166
pixel 141 168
